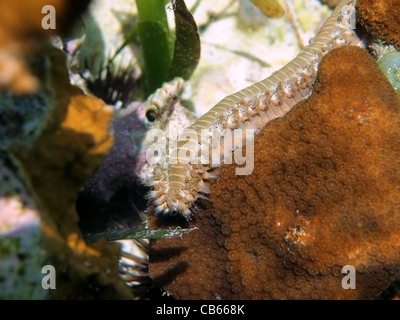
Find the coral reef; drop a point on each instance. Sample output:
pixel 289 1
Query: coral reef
pixel 182 179
pixel 72 143
pixel 381 18
pixel 325 193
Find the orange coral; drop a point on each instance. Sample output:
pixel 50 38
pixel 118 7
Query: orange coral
pixel 20 22
pixel 72 145
pixel 331 3
pixel 381 18
pixel 325 193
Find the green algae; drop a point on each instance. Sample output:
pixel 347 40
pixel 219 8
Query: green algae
pixel 390 65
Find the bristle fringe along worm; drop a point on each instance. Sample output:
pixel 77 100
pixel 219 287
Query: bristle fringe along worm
pixel 183 179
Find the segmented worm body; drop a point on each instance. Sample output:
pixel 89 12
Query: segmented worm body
pixel 183 179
